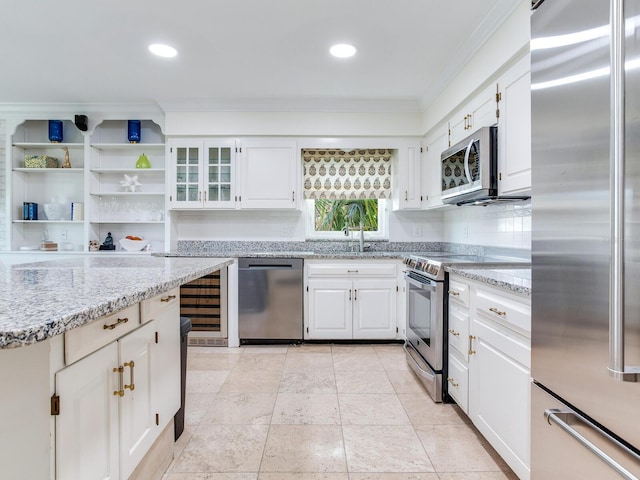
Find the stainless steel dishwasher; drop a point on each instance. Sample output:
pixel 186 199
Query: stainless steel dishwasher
pixel 270 293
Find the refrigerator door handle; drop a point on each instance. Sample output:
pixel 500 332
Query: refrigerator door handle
pixel 617 367
pixel 559 416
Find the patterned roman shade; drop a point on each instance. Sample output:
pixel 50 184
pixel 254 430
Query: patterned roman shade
pixel 340 175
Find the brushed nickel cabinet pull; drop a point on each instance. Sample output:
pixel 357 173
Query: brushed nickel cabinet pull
pixel 453 332
pixel 293 196
pixel 455 293
pixel 114 325
pixel 130 364
pixel 352 271
pixel 452 381
pixel 406 196
pixel 497 312
pixel 200 195
pixel 120 392
pixel 168 298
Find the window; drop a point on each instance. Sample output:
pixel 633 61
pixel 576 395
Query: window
pixel 328 218
pixel 339 185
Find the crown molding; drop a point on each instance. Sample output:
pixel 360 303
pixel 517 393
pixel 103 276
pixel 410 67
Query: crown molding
pixel 495 18
pixel 326 105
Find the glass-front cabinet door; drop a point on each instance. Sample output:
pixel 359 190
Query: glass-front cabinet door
pixel 219 174
pixel 186 160
pixel 203 173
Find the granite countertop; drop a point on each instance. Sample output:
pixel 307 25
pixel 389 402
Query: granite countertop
pixel 515 279
pixel 44 298
pixel 307 255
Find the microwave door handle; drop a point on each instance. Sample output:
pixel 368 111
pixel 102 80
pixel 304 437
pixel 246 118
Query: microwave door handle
pixel 466 161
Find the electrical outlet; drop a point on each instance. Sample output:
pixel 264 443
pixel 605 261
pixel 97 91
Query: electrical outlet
pixel 63 236
pixel 466 231
pixel 417 231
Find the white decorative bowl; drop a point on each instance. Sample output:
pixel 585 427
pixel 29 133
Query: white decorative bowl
pixel 54 211
pixel 133 245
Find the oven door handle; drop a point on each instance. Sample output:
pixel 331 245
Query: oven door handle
pixel 416 283
pixel 410 352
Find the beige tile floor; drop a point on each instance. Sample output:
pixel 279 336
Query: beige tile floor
pixel 321 412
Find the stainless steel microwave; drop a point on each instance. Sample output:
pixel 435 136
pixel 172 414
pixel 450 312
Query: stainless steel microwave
pixel 469 169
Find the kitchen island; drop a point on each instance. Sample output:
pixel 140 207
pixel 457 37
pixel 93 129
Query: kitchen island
pixel 70 330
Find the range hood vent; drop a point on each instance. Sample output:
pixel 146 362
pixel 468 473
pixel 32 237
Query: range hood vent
pixel 493 199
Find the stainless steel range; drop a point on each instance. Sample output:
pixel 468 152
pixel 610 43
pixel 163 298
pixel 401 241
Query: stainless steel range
pixel 427 311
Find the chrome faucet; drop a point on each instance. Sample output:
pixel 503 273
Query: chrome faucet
pixel 361 212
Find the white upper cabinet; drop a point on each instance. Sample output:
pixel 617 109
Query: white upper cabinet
pixel 479 112
pixel 270 175
pixel 435 143
pixel 211 173
pixel 514 136
pixel 202 173
pixel 408 177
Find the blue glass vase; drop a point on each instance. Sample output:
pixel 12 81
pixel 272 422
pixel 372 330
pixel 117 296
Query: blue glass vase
pixel 55 131
pixel 133 131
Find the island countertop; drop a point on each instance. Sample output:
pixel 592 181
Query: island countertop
pixel 45 298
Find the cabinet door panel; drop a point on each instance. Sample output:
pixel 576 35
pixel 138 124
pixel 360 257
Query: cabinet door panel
pixel 330 309
pixel 87 427
pixel 186 165
pixel 166 365
pixel 137 417
pixel 431 170
pixel 374 304
pixel 269 175
pixel 514 154
pixel 499 402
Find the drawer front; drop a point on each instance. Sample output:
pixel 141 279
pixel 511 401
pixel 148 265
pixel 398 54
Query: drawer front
pixel 459 331
pixel 352 270
pixel 153 307
pixel 458 382
pixel 503 339
pixel 84 340
pixel 459 293
pixel 504 310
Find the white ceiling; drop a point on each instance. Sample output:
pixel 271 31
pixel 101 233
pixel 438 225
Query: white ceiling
pixel 238 54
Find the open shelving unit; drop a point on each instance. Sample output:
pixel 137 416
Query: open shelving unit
pixel 99 161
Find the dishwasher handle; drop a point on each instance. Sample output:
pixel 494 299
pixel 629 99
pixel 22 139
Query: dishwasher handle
pixel 270 263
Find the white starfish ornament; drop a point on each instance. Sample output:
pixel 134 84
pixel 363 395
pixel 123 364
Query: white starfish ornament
pixel 130 182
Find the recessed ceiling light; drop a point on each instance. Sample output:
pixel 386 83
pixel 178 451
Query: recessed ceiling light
pixel 343 50
pixel 163 50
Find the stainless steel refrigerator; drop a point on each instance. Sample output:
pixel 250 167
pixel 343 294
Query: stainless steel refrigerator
pixel 586 239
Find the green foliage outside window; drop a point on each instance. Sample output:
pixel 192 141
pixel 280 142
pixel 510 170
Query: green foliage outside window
pixel 333 215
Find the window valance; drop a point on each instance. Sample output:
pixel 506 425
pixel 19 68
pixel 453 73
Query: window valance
pixel 341 175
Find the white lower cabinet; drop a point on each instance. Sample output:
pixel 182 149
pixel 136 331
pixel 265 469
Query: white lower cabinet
pixel 489 365
pixel 115 402
pixel 341 305
pixel 87 427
